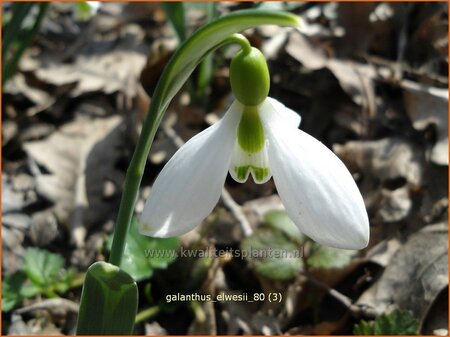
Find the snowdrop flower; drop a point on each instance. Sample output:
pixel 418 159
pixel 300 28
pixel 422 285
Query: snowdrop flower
pixel 259 137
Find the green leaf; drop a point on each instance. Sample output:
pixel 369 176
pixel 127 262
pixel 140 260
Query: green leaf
pixel 19 12
pixel 15 288
pixel 175 13
pixel 143 254
pixel 64 282
pixel 108 303
pixel 42 267
pixel 398 322
pixel 272 255
pixel 328 257
pixel 42 273
pixel 11 295
pixel 279 220
pixel 363 328
pixel 10 62
pixel 206 68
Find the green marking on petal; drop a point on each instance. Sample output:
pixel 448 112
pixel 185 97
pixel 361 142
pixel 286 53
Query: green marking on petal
pixel 250 130
pixel 241 171
pixel 259 173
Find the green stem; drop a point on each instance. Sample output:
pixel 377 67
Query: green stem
pixel 19 12
pixel 10 68
pixel 175 13
pixel 147 313
pixel 241 40
pixel 206 68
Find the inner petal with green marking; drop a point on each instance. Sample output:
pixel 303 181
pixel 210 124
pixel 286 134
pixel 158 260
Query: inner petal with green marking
pixel 250 135
pixel 250 153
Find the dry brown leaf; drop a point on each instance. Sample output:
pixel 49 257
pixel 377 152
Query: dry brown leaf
pixel 40 99
pixel 12 199
pixel 354 78
pixel 12 249
pixel 383 251
pixel 79 157
pixel 391 168
pixel 358 29
pixel 385 159
pixel 266 324
pixel 416 274
pixel 43 229
pixel 275 42
pixel 435 321
pixel 109 66
pixel 429 106
pixel 303 49
pixel 237 317
pixel 394 205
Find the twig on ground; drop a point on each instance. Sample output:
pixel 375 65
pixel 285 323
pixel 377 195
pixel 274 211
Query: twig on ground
pixel 355 310
pixel 381 62
pixel 50 304
pixel 237 212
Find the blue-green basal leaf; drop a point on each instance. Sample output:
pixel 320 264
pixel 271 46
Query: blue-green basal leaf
pixel 108 303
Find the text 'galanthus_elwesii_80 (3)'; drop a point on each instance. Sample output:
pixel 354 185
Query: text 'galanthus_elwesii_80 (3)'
pixel 258 136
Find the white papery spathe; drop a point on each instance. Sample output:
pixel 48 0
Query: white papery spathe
pixel 316 188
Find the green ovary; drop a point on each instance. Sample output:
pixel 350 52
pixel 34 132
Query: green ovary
pixel 250 130
pixel 259 172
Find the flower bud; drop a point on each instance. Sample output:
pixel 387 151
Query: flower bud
pixel 249 77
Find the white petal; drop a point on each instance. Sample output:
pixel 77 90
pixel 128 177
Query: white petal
pixel 316 188
pixel 189 186
pixel 243 164
pixel 290 116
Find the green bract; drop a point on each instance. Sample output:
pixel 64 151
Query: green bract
pixel 249 77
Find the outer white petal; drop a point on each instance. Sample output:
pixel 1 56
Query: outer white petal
pixel 291 117
pixel 316 188
pixel 189 186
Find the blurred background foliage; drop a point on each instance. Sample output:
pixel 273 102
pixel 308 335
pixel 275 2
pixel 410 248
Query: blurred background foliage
pixel 370 80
